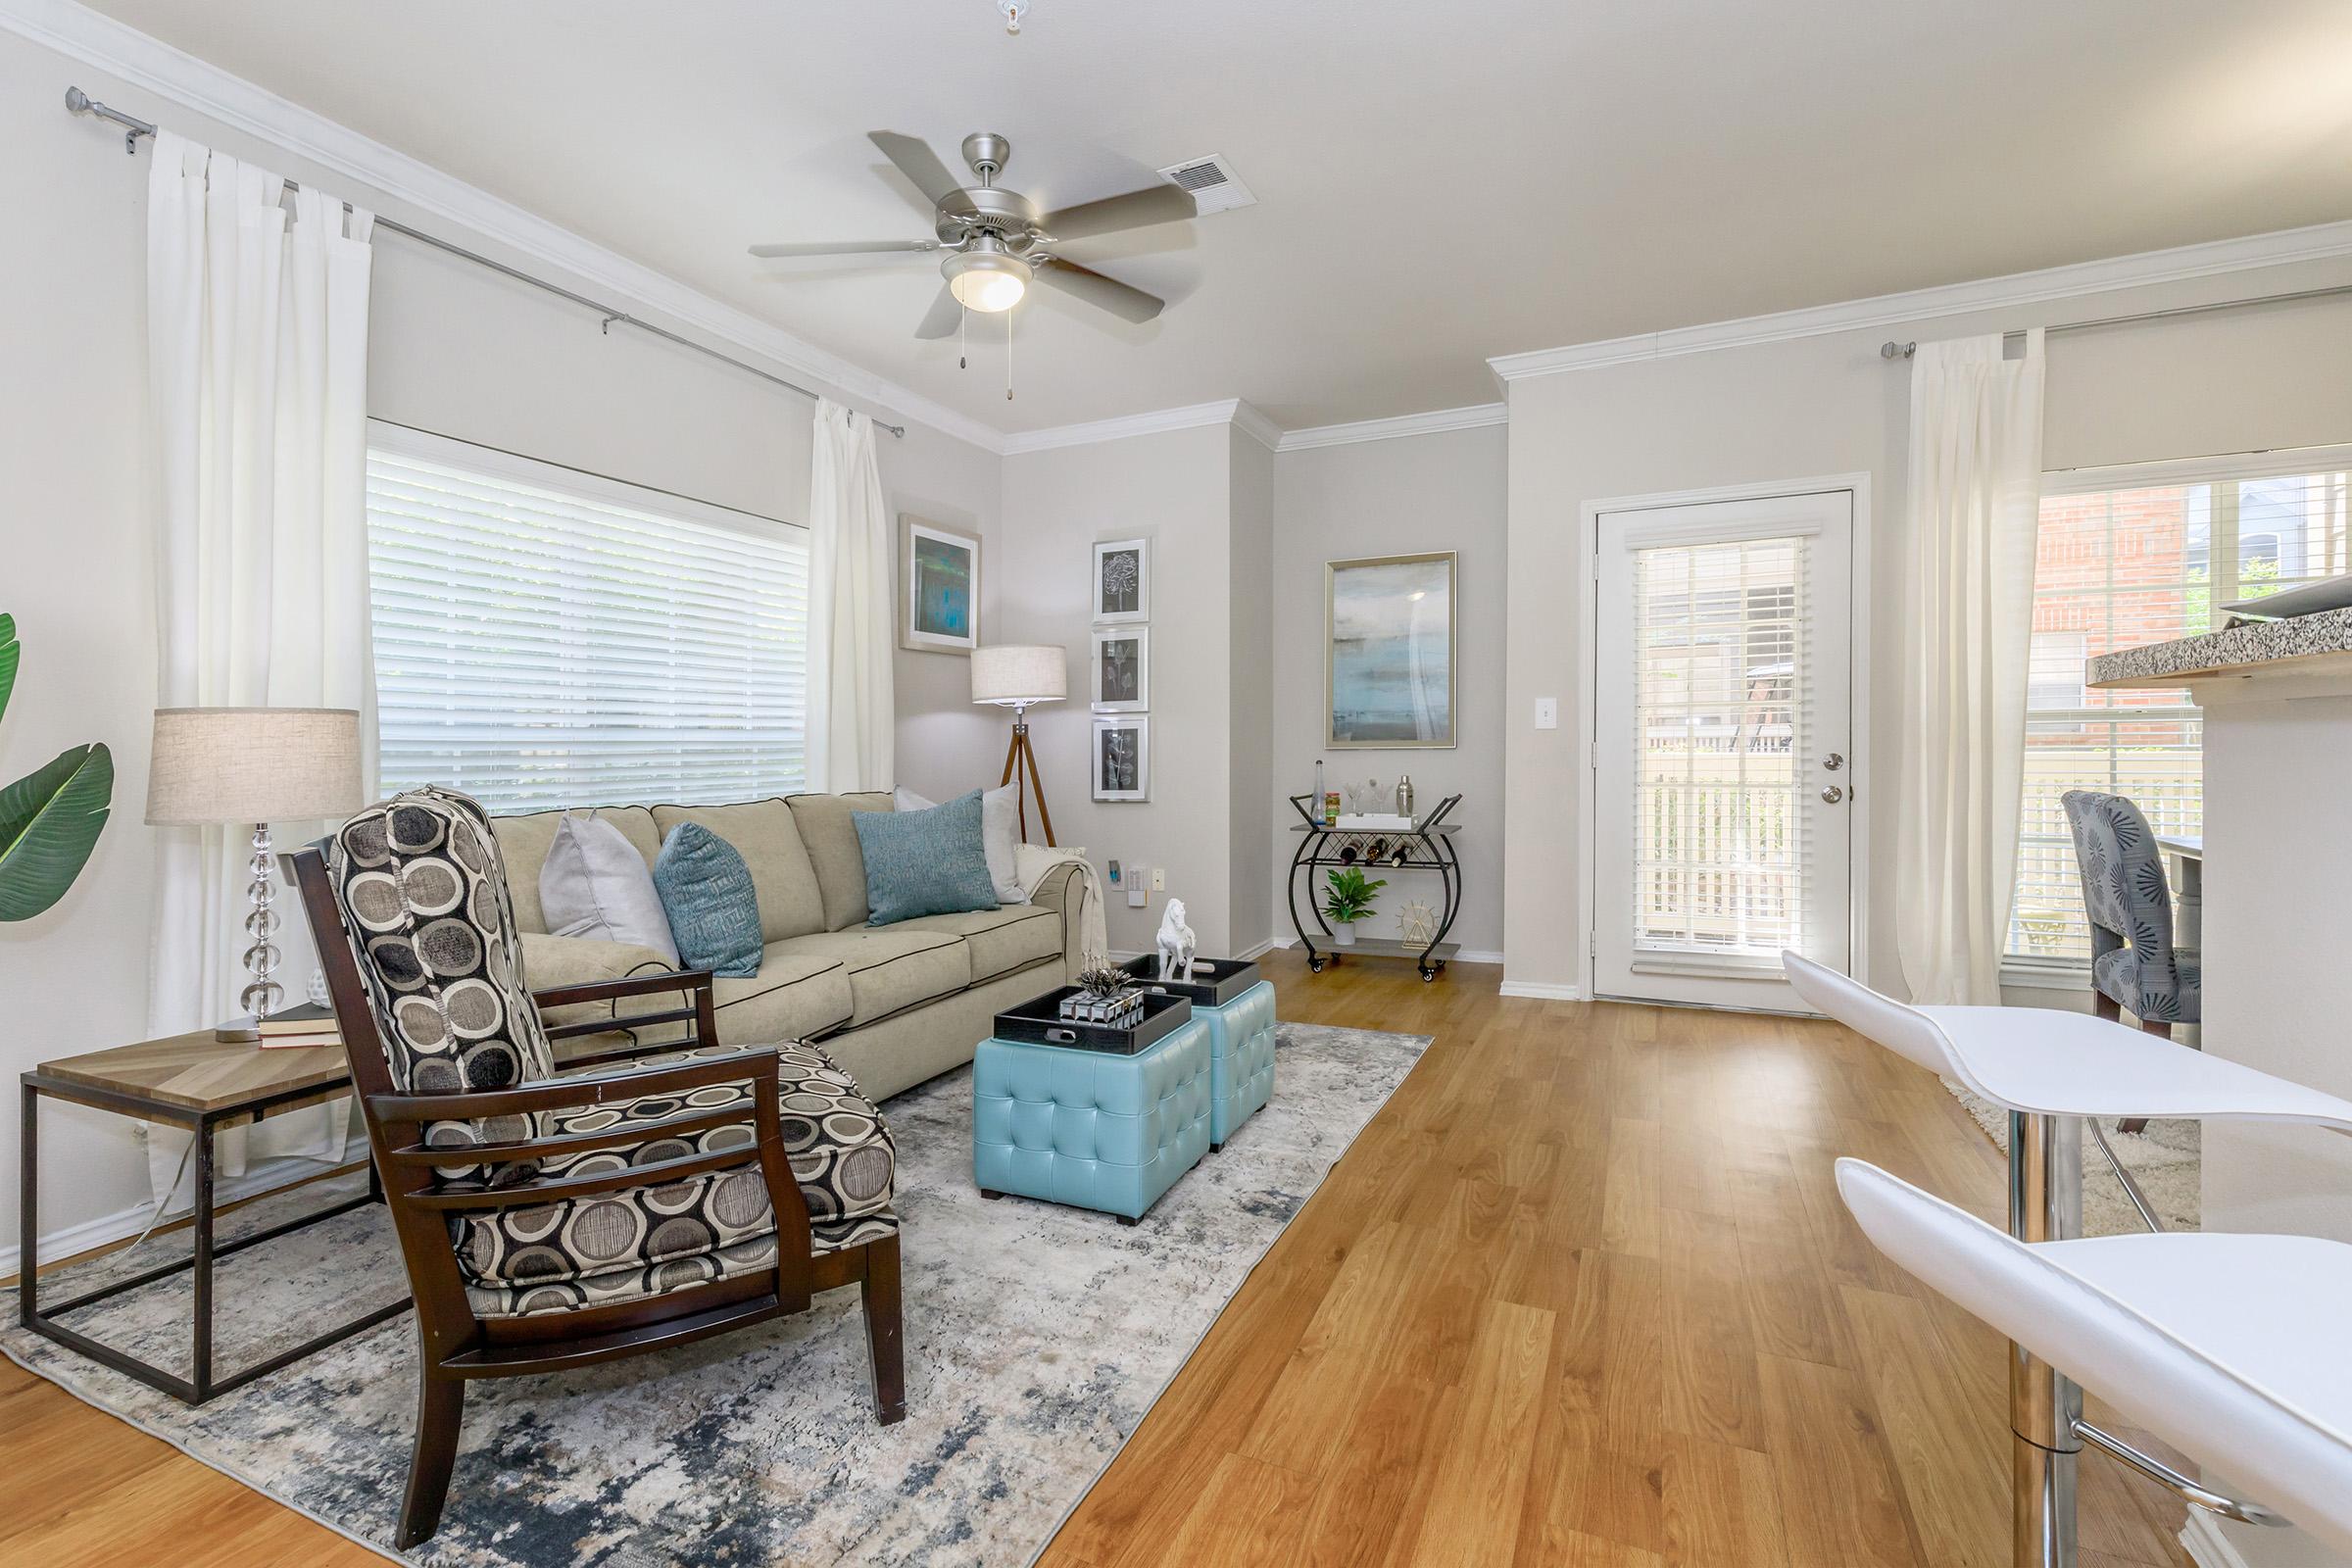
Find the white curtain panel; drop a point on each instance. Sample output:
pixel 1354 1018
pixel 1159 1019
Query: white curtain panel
pixel 851 710
pixel 257 322
pixel 1968 612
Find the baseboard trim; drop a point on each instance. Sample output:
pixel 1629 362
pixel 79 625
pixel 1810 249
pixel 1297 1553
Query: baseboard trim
pixel 1542 991
pixel 71 1241
pixel 1466 956
pixel 2202 1539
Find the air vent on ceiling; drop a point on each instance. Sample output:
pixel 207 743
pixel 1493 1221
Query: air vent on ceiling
pixel 1214 187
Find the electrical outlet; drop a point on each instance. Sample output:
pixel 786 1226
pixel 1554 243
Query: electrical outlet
pixel 1159 879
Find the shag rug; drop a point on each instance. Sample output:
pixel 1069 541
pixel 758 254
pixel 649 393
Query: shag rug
pixel 1036 1339
pixel 2167 1160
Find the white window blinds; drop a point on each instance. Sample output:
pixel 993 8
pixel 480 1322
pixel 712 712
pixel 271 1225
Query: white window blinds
pixel 545 638
pixel 1724 696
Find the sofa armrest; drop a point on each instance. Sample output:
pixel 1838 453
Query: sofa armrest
pixel 1061 891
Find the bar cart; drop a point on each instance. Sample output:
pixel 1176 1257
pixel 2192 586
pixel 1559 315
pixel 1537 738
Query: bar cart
pixel 1426 846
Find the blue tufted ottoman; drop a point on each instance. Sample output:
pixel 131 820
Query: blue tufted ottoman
pixel 1090 1128
pixel 1241 1058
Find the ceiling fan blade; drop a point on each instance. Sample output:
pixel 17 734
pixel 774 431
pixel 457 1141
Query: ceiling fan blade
pixel 847 247
pixel 944 316
pixel 1138 208
pixel 1108 293
pixel 918 162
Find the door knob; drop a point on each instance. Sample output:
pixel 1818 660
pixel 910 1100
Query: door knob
pixel 1833 761
pixel 1831 794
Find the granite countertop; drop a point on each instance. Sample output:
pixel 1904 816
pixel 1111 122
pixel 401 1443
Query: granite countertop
pixel 2239 651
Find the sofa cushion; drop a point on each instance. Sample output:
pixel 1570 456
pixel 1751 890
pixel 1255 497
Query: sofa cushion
pixel 523 842
pixel 926 862
pixel 890 967
pixel 999 833
pixel 1001 940
pixel 594 884
pixel 660 1279
pixel 764 835
pixel 706 892
pixel 793 996
pixel 831 839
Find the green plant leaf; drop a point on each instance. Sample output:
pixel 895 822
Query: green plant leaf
pixel 49 822
pixel 11 651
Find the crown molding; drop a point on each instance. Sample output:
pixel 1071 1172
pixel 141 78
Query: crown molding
pixel 2212 258
pixel 1433 422
pixel 1254 423
pixel 1192 417
pixel 154 67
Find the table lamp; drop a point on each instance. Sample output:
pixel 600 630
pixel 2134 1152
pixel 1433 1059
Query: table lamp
pixel 1013 675
pixel 253 766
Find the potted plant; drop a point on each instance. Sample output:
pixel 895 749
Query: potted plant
pixel 1348 900
pixel 50 818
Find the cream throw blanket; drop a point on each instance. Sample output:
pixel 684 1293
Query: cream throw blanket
pixel 1031 862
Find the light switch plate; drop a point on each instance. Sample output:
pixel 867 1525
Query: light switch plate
pixel 1548 713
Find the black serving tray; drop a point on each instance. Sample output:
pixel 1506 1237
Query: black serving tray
pixel 1214 982
pixel 1038 1022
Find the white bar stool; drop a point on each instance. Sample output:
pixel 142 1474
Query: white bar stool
pixel 2229 1348
pixel 2051 1071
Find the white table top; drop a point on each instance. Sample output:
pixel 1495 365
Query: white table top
pixel 2191 845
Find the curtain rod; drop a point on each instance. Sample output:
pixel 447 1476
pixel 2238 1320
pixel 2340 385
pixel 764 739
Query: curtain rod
pixel 82 103
pixel 1891 350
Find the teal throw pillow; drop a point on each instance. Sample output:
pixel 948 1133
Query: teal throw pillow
pixel 707 894
pixel 925 862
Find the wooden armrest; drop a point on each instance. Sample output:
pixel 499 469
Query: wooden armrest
pixel 635 985
pixel 760 1063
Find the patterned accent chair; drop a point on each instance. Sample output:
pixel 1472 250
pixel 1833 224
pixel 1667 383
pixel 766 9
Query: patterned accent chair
pixel 639 1198
pixel 2135 967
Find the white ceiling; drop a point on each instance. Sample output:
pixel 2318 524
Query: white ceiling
pixel 1437 182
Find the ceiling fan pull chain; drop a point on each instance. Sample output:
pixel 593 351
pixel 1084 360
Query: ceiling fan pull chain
pixel 1008 355
pixel 963 363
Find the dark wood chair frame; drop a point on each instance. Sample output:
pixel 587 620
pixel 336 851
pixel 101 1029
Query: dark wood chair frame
pixel 454 1345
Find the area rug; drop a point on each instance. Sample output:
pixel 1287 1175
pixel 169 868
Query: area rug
pixel 2167 1160
pixel 1036 1339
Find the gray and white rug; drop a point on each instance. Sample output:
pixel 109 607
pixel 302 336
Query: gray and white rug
pixel 1036 1339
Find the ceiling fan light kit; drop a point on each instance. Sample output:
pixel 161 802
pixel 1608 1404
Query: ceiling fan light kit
pixel 985 279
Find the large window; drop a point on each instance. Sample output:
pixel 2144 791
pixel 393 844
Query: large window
pixel 2128 557
pixel 548 638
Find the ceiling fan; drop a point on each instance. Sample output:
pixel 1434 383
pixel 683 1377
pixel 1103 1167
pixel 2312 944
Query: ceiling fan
pixel 998 241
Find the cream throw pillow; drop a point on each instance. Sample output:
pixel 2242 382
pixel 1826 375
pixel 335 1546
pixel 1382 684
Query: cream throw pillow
pixel 594 884
pixel 999 831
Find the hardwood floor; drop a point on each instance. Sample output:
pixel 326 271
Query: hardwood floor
pixel 1582 1295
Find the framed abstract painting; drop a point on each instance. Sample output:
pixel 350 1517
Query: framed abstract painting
pixel 939 604
pixel 1388 652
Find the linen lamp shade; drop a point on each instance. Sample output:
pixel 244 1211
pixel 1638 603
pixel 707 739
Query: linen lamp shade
pixel 253 764
pixel 1017 674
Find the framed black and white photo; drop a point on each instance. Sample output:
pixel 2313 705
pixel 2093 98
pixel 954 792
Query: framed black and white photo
pixel 1123 670
pixel 1123 758
pixel 939 597
pixel 1122 580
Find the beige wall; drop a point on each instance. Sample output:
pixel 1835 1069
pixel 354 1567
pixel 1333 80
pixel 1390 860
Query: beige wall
pixel 455 349
pixel 2267 376
pixel 1383 498
pixel 1250 605
pixel 1174 488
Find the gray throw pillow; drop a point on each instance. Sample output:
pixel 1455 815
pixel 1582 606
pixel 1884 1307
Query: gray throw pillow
pixel 999 831
pixel 925 862
pixel 707 890
pixel 594 884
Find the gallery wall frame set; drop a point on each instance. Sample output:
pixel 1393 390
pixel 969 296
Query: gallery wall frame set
pixel 939 587
pixel 1119 759
pixel 1389 652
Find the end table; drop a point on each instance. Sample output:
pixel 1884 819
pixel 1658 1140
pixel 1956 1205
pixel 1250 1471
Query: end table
pixel 203 1085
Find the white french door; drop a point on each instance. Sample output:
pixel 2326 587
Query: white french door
pixel 1722 756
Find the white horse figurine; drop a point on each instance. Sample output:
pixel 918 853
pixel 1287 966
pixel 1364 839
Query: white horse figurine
pixel 1177 944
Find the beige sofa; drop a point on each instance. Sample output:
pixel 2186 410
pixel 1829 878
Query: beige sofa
pixel 893 1004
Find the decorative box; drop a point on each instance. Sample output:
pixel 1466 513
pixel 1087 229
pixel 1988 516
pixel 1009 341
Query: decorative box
pixel 1238 1005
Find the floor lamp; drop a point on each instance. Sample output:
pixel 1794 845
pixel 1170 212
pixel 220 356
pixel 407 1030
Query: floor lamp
pixel 1015 676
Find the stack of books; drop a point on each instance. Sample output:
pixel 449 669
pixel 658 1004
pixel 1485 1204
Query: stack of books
pixel 307 1024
